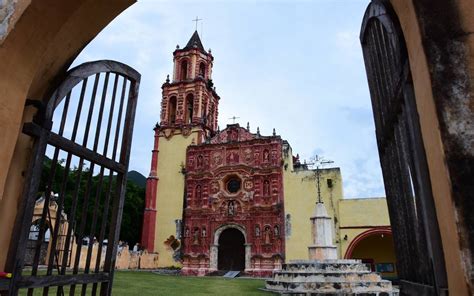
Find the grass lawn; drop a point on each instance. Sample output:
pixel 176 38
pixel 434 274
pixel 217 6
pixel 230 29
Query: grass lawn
pixel 143 283
pixel 147 283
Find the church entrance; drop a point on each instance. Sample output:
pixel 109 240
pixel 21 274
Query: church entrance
pixel 231 254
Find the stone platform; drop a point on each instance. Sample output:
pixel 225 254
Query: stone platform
pixel 328 277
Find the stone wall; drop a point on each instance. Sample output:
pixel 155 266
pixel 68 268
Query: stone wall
pixel 125 259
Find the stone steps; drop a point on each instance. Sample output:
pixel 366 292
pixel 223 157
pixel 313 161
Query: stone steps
pixel 334 288
pixel 326 277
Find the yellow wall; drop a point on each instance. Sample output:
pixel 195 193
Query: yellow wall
pixel 170 192
pixel 358 215
pixel 300 198
pixel 378 248
pixel 363 212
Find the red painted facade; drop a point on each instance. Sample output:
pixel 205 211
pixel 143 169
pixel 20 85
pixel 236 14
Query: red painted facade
pixel 254 207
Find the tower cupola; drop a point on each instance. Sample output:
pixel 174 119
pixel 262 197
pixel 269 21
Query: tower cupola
pixel 189 98
pixel 192 61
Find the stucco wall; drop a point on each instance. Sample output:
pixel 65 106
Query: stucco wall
pixel 44 38
pixel 300 199
pixel 363 212
pixel 170 192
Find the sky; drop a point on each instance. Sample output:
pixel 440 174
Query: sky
pixel 295 66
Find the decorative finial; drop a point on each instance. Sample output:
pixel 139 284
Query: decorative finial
pixel 168 78
pixel 248 126
pixel 210 51
pixel 157 126
pixel 258 131
pixel 274 133
pixel 177 46
pixel 218 129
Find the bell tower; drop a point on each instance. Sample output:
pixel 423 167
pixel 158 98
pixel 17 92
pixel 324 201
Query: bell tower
pixel 189 109
pixel 190 98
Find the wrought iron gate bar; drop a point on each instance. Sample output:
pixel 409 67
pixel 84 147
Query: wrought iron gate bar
pixel 34 130
pixel 93 209
pixel 61 280
pixel 420 260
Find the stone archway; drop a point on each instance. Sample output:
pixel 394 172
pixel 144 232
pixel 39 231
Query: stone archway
pixel 215 248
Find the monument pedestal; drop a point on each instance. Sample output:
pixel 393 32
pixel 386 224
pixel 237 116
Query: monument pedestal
pixel 322 234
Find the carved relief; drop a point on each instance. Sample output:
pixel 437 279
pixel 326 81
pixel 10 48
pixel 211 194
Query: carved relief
pixel 216 159
pixel 248 155
pixel 168 133
pixel 248 184
pixel 232 157
pixel 214 187
pixel 186 130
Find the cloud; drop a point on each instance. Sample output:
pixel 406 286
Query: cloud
pixel 303 76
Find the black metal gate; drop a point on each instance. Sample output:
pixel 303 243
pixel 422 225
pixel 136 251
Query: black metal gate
pixel 420 258
pixel 78 168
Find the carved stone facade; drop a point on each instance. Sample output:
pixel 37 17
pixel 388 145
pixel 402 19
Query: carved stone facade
pixel 234 181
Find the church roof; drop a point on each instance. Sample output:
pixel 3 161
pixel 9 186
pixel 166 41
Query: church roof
pixel 195 40
pixel 236 133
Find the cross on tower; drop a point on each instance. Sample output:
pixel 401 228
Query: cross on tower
pixel 234 118
pixel 197 20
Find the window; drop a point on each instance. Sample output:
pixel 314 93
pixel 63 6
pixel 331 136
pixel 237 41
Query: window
pixel 189 108
pixel 233 185
pixel 172 110
pixel 184 70
pixel 202 70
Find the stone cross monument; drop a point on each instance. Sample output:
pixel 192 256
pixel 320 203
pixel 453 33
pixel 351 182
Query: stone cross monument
pixel 322 235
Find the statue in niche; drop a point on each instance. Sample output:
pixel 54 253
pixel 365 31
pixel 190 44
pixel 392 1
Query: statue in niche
pixel 186 232
pixel 265 155
pixel 196 236
pixel 203 233
pixel 248 155
pixel 256 157
pixel 199 161
pixel 267 234
pixel 274 156
pixel 276 231
pixel 198 192
pixel 231 208
pixel 233 135
pixel 266 188
pixel 257 230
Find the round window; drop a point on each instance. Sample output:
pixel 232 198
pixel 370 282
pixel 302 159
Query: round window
pixel 233 185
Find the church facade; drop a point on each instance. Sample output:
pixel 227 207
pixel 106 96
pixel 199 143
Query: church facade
pixel 230 199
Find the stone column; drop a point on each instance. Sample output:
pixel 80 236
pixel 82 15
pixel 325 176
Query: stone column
pixel 248 255
pixel 213 257
pixel 321 228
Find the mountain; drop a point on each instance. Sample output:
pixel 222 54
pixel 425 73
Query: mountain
pixel 137 178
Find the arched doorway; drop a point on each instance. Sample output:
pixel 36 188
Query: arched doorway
pixel 231 254
pixel 375 248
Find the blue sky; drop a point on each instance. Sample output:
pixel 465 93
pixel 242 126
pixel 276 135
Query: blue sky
pixel 295 66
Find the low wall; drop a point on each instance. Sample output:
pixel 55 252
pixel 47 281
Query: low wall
pixel 125 259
